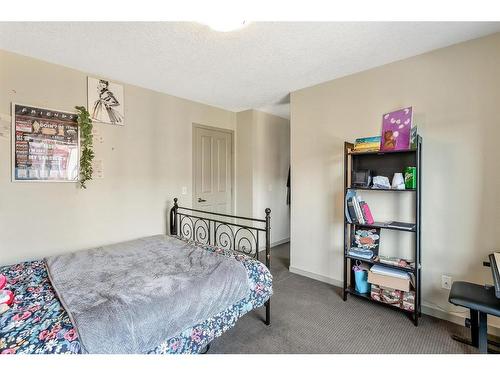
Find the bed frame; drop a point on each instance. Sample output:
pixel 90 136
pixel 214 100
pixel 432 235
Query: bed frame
pixel 235 233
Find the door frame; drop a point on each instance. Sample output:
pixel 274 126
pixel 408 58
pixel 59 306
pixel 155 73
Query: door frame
pixel 193 164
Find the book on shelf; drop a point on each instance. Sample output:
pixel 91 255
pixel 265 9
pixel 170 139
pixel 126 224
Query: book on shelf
pixel 371 149
pixel 368 148
pixel 400 225
pixel 367 214
pixel 367 144
pixel 351 213
pixel 413 136
pixel 394 261
pixel 357 209
pixel 367 140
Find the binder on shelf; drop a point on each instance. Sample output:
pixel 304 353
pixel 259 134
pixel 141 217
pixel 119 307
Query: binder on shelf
pixel 350 214
pixel 352 211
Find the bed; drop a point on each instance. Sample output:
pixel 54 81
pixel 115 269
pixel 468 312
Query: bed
pixel 40 321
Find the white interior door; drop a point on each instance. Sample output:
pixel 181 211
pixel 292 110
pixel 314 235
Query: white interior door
pixel 213 153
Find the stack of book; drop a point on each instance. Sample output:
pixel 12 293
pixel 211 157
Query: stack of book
pixel 367 144
pixel 358 211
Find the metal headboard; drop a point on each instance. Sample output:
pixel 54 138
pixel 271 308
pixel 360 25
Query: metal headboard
pixel 205 227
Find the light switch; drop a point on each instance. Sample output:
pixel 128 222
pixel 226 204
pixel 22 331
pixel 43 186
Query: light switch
pixel 98 169
pixel 4 131
pixel 4 117
pixel 4 126
pixel 96 134
pixel 184 190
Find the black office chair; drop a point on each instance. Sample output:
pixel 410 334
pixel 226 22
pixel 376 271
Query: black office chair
pixel 481 301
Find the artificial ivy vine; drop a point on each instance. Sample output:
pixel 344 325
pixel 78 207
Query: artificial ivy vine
pixel 86 144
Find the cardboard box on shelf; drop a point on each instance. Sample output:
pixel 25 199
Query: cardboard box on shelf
pixel 389 281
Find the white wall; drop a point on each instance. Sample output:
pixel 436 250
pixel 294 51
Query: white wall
pixel 455 93
pixel 244 163
pixel 270 166
pixel 263 159
pixel 146 164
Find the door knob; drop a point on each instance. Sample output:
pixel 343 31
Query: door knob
pixel 201 200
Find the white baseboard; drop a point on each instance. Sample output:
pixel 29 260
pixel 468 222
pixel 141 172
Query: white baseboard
pixel 273 244
pixel 426 309
pixel 280 242
pixel 454 317
pixel 315 276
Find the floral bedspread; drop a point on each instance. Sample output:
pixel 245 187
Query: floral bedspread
pixel 36 323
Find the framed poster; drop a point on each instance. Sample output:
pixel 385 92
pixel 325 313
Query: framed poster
pixel 396 129
pixel 105 101
pixel 45 145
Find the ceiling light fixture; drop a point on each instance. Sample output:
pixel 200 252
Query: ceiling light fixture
pixel 225 26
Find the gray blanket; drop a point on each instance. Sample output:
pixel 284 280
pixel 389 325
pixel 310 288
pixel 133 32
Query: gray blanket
pixel 132 296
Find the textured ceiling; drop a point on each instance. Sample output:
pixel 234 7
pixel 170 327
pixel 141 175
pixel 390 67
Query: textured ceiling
pixel 255 67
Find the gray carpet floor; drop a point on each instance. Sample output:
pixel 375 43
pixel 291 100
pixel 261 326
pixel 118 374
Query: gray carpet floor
pixel 308 316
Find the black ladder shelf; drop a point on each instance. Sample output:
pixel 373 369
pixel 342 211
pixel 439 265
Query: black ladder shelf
pixel 384 164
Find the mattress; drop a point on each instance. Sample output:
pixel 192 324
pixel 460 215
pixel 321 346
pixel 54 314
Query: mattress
pixel 37 323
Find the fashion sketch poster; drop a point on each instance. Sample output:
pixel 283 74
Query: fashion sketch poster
pixel 105 101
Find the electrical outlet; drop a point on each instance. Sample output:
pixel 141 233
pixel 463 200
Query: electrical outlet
pixel 446 282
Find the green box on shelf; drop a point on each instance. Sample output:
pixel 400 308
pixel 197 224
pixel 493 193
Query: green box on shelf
pixel 410 174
